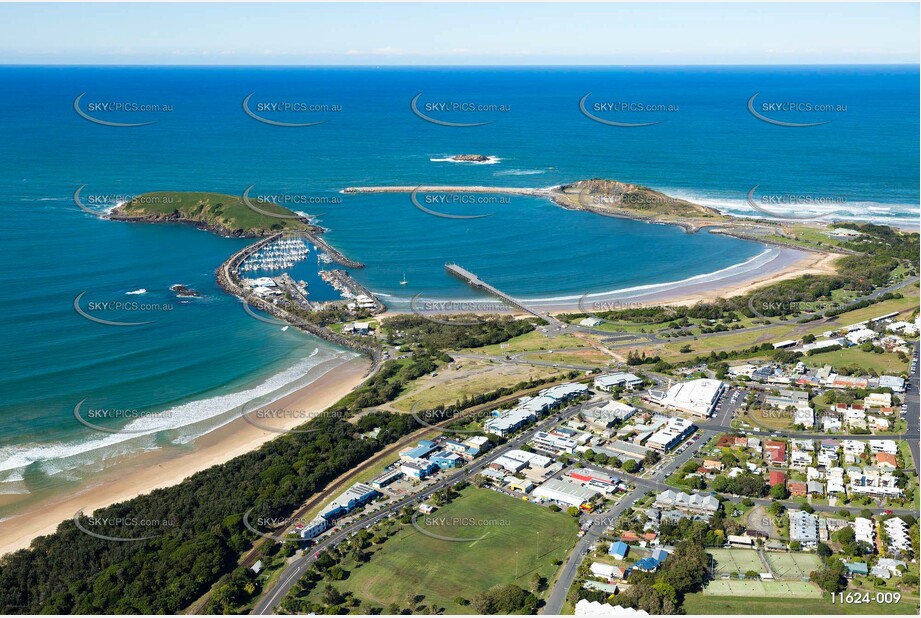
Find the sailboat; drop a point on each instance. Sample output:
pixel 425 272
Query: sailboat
pixel 404 281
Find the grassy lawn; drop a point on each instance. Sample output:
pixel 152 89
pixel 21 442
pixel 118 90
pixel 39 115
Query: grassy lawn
pixel 412 563
pixel 587 357
pixel 769 419
pixel 735 340
pixel 472 378
pixel 534 341
pixel 698 603
pixel 882 363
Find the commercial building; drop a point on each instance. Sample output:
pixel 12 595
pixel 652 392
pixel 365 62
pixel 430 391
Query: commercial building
pixel 446 460
pixel 386 478
pixel 553 443
pixel 316 527
pixel 617 380
pixel 565 492
pixel 353 497
pixel 565 392
pixel 609 414
pixel 676 430
pixel 509 421
pixel 424 448
pixel 418 469
pixel 697 397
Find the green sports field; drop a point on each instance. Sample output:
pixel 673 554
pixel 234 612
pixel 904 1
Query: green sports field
pixel 699 603
pixel 412 563
pixel 756 588
pixel 735 561
pixel 792 565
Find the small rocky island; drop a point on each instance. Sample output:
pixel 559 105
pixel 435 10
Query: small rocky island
pixel 470 158
pixel 183 291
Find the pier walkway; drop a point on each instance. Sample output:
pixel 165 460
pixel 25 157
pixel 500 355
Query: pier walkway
pixel 475 282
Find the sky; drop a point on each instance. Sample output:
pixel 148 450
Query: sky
pixel 459 34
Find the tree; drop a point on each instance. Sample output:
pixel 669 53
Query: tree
pixel 779 491
pixel 777 509
pixel 630 466
pixel 796 546
pixel 830 577
pixel 823 550
pixel 573 511
pixel 505 599
pixel 331 596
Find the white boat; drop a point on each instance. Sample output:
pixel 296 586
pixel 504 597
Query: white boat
pixel 404 281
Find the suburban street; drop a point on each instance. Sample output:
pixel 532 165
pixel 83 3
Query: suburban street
pixel 293 571
pixel 653 480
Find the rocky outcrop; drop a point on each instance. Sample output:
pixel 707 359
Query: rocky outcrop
pixel 471 158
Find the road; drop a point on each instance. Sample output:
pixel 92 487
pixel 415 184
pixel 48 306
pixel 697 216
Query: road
pixel 293 571
pixel 642 483
pixel 655 482
pixel 913 399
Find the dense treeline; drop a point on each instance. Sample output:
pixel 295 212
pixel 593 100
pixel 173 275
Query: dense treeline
pixel 387 384
pixel 202 533
pixel 470 332
pixel 72 572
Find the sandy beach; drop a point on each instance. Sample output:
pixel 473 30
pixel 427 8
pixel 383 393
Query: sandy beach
pixel 773 265
pixel 808 264
pixel 140 474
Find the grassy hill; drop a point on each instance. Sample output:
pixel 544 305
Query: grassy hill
pixel 224 214
pixel 634 201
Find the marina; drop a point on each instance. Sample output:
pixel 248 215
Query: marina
pixel 280 254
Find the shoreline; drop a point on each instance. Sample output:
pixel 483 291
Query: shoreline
pixel 144 472
pixel 782 263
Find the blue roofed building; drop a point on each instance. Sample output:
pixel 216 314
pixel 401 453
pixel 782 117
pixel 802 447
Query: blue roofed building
pixel 418 468
pixel 647 565
pixel 660 555
pixel 619 550
pixel 446 460
pixel 355 496
pixel 423 449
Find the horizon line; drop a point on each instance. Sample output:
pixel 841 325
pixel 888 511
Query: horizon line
pixel 455 66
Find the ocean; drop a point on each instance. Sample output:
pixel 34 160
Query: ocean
pixel 198 358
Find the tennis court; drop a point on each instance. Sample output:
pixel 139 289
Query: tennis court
pixel 735 561
pixel 755 588
pixel 792 565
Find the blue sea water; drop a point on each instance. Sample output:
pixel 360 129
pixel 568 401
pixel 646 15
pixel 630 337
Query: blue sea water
pixel 706 146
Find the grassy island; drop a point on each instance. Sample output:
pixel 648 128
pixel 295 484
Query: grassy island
pixel 217 212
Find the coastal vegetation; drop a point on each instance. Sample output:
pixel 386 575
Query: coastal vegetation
pixel 227 215
pixel 469 332
pixel 70 571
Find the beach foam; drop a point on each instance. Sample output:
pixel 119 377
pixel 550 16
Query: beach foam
pixel 179 425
